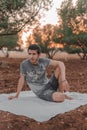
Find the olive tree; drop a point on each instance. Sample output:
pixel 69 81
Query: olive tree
pixel 73 25
pixel 15 14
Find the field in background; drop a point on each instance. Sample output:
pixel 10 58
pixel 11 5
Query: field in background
pixel 59 55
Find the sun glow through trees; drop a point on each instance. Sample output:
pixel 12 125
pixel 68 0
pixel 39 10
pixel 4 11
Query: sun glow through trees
pixel 51 17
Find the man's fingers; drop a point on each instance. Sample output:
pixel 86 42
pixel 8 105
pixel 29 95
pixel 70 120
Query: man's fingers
pixel 11 97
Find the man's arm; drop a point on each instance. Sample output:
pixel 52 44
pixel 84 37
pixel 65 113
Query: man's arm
pixel 19 88
pixel 61 66
pixel 63 84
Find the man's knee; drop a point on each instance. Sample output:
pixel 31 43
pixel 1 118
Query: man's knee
pixel 58 97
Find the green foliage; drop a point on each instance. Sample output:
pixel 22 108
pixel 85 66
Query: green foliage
pixel 82 53
pixel 8 41
pixel 16 14
pixel 4 23
pixel 85 50
pixel 44 48
pixel 81 6
pixel 73 26
pixel 10 5
pixel 72 50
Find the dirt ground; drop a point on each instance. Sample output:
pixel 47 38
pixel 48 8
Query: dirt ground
pixel 76 73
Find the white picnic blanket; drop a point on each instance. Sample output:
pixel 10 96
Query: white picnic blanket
pixel 28 104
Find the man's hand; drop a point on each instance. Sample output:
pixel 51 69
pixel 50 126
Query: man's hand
pixel 19 88
pixel 64 86
pixel 12 97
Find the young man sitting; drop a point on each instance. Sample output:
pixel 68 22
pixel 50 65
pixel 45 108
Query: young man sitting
pixel 33 70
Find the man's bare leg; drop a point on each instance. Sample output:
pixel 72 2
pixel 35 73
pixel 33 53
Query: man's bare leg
pixel 59 96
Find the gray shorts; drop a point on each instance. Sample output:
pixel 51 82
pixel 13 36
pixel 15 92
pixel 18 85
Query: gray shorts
pixel 49 89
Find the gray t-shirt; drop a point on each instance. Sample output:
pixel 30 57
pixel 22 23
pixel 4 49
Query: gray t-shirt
pixel 35 75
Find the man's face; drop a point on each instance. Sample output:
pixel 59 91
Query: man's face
pixel 33 56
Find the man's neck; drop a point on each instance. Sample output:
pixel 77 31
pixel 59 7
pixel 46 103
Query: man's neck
pixel 34 63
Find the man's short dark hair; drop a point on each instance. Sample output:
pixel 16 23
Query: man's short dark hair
pixel 35 47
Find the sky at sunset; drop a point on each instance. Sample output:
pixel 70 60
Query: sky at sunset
pixel 51 16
